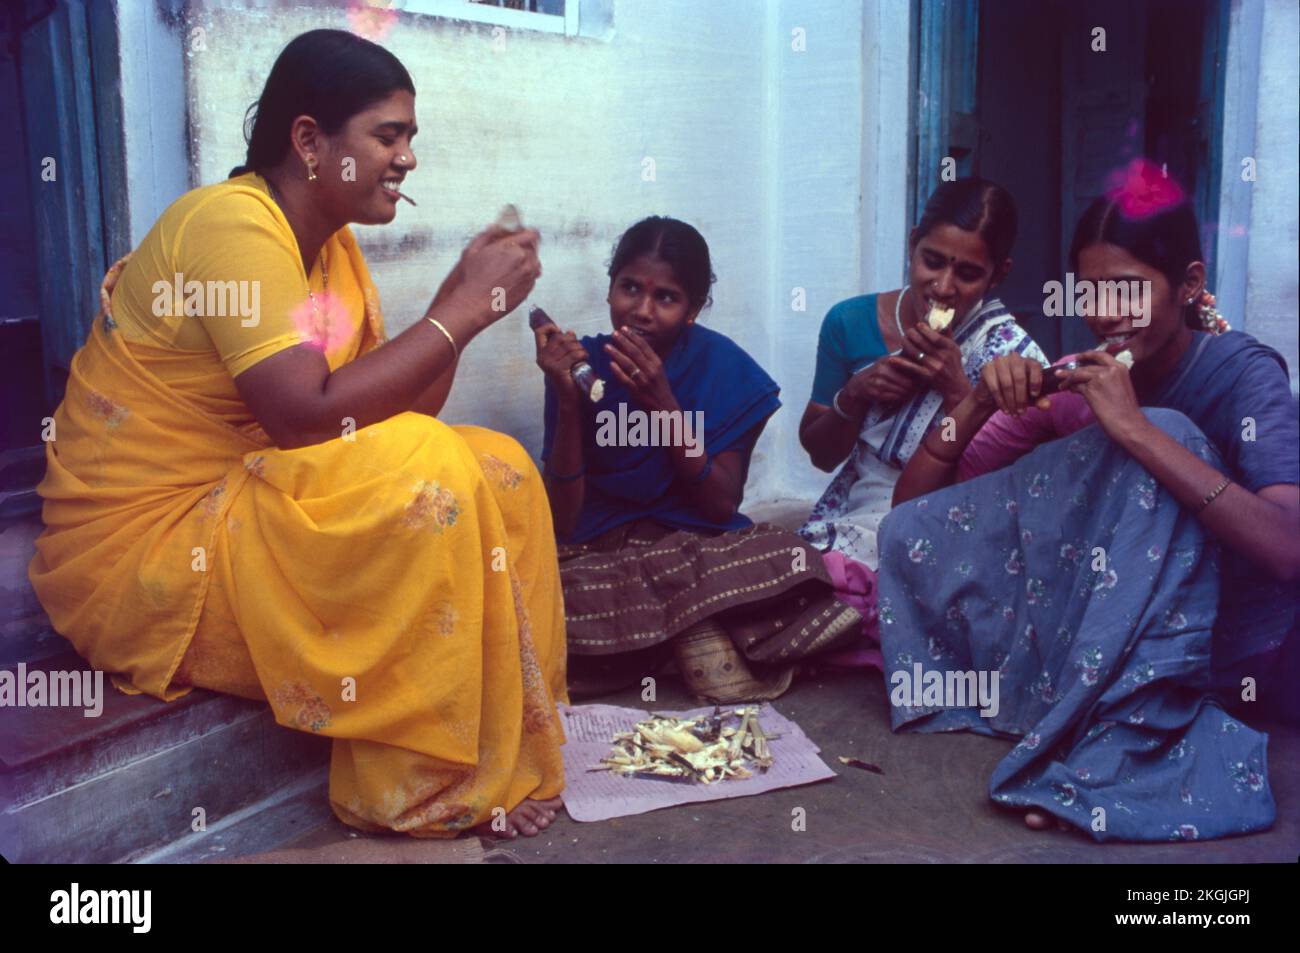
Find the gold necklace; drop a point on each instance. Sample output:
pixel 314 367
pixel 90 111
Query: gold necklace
pixel 325 282
pixel 324 272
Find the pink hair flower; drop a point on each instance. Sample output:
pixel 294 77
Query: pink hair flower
pixel 1142 188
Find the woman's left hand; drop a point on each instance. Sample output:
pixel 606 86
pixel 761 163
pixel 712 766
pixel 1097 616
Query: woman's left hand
pixel 1105 384
pixel 637 367
pixel 936 361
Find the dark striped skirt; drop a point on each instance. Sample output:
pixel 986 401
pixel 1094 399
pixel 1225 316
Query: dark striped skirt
pixel 630 593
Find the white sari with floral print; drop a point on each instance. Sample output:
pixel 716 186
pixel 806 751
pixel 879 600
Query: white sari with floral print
pixel 848 515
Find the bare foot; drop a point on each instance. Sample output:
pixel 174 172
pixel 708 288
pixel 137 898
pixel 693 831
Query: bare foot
pixel 1038 821
pixel 530 818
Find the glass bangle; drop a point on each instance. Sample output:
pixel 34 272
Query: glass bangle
pixel 835 406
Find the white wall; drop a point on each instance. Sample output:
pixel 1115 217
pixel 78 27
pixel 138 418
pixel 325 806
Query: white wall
pixel 837 190
pixel 153 111
pixel 1258 252
pixel 764 148
pixel 1272 288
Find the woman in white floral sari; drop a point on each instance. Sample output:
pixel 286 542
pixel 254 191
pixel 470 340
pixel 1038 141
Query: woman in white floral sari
pixel 885 377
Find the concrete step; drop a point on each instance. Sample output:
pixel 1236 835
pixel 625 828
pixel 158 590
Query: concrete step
pixel 25 631
pixel 20 470
pixel 135 778
pixel 298 809
pixel 138 777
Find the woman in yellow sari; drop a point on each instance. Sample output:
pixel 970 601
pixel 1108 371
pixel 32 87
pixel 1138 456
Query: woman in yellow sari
pixel 248 493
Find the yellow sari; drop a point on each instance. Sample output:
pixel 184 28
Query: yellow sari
pixel 395 588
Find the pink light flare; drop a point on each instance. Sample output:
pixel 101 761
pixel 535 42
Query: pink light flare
pixel 1142 188
pixel 325 324
pixel 373 19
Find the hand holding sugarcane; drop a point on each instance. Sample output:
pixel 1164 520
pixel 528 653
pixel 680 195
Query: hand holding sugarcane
pixel 557 354
pixel 935 360
pixel 564 360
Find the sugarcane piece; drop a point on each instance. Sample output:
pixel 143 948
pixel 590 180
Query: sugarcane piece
pixel 738 739
pixel 510 219
pixel 711 728
pixel 581 372
pixel 762 753
pixel 859 763
pixel 701 750
pixel 939 318
pixel 674 758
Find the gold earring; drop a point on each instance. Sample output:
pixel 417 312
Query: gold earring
pixel 311 171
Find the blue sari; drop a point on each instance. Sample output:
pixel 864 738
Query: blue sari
pixel 709 373
pixel 1105 611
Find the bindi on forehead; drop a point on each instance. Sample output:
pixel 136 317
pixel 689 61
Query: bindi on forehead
pixel 952 260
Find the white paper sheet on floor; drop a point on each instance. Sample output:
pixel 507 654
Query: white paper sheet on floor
pixel 598 795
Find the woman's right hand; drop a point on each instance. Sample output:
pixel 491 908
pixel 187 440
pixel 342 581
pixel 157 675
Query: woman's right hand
pixel 1011 383
pixel 881 383
pixel 557 352
pixel 497 271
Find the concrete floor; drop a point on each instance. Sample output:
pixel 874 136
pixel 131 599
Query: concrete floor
pixel 930 806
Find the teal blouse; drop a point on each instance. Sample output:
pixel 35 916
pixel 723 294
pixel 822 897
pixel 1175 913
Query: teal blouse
pixel 849 341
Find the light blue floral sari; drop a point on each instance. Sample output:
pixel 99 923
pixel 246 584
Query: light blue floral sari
pixel 1093 595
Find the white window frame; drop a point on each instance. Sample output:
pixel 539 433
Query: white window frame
pixel 500 16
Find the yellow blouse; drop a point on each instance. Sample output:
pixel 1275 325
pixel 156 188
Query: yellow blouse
pixel 218 284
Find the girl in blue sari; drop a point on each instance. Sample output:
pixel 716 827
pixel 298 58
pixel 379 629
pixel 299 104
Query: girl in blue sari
pixel 1130 576
pixel 646 485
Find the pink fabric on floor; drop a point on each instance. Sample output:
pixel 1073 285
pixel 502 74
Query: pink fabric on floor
pixel 855 584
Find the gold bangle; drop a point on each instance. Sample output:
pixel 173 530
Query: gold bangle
pixel 1213 493
pixel 455 351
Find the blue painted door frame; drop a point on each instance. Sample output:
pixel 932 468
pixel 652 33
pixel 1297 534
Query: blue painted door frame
pixel 945 117
pixel 70 91
pixel 1210 120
